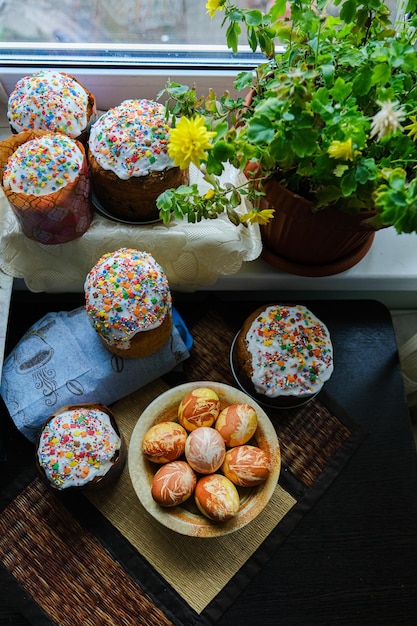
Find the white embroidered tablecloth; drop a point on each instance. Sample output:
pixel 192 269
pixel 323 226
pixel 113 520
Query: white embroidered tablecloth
pixel 192 255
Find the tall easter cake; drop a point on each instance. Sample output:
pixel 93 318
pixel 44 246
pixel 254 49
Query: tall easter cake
pixel 129 162
pixel 128 302
pixel 45 178
pixel 282 355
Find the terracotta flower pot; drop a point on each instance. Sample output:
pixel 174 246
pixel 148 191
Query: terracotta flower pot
pixel 307 243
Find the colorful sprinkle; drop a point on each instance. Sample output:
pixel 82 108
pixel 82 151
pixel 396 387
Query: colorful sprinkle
pixel 296 367
pixel 76 446
pixel 132 139
pixel 48 100
pixel 126 292
pixel 33 168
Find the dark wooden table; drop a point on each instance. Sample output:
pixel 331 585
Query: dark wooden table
pixel 353 558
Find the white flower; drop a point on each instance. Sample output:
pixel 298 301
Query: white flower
pixel 387 121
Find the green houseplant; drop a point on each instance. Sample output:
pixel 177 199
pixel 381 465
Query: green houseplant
pixel 331 116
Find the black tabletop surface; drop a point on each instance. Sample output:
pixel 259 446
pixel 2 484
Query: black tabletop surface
pixel 353 558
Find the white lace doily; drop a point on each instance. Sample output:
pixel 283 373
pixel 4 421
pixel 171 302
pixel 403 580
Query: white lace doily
pixel 192 255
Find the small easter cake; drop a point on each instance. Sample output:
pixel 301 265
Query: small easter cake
pixel 45 178
pixel 282 355
pixel 80 447
pixel 129 162
pixel 128 302
pixel 51 100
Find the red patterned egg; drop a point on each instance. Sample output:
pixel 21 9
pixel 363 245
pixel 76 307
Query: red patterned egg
pixel 173 483
pixel 237 424
pixel 217 497
pixel 164 442
pixel 246 466
pixel 200 407
pixel 205 450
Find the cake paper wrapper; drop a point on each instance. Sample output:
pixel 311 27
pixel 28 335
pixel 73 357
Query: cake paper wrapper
pixel 61 361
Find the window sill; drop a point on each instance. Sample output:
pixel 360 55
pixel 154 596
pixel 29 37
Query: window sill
pixel 388 273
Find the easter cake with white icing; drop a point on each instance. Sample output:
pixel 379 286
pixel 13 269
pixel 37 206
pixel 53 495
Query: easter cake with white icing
pixel 129 162
pixel 129 303
pixel 282 355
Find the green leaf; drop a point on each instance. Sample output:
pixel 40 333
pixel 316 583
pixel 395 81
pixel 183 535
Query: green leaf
pixel 178 90
pixel 348 10
pixel 397 179
pixel 329 195
pixel 165 200
pixel 223 151
pixel 235 199
pixel 381 74
pixel 187 190
pixel 253 17
pixel 327 71
pixel 277 9
pixel 362 82
pixel 213 165
pixel 260 130
pixel 304 142
pixel 266 44
pixel 271 107
pixel 252 39
pixel 348 183
pixel 235 15
pixel 341 90
pixel 232 36
pixel 243 80
pixel 278 148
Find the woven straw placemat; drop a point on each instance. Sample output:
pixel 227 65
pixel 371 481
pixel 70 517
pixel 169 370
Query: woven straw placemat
pixel 102 560
pixel 181 560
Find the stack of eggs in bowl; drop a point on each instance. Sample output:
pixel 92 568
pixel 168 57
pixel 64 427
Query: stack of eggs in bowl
pixel 204 459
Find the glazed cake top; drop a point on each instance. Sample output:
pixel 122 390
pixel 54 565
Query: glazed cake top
pixel 76 446
pixel 48 100
pixel 43 165
pixel 291 351
pixel 132 139
pixel 126 292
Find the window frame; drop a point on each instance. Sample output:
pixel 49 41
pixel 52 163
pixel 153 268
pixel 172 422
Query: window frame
pixel 116 72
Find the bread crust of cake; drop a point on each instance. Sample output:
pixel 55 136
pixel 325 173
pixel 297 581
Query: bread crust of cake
pixel 293 356
pixel 144 343
pixel 133 200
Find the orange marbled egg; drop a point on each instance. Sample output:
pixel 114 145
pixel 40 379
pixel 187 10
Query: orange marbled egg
pixel 205 450
pixel 173 483
pixel 164 442
pixel 246 466
pixel 217 497
pixel 237 424
pixel 200 407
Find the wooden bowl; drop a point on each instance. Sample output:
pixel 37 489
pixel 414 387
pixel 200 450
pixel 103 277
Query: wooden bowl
pixel 186 519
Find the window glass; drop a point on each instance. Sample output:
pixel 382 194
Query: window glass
pixel 107 21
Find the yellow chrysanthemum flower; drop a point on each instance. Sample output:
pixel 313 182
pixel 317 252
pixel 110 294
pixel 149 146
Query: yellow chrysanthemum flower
pixel 189 141
pixel 342 150
pixel 214 5
pixel 412 128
